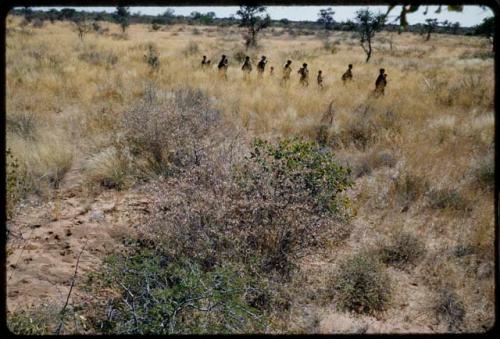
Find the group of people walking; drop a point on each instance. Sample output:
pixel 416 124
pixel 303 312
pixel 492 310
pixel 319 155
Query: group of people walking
pixel 303 72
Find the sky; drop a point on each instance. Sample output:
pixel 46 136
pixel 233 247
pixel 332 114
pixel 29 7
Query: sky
pixel 470 16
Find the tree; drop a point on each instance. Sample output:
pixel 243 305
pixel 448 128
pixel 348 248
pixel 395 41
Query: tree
pixel 254 18
pixel 348 25
pixel 122 16
pixel 28 14
pixel 405 9
pixel 67 14
pixel 168 16
pixel 368 25
pixel 204 19
pixel 447 25
pixel 430 26
pixel 487 29
pixel 455 27
pixel 326 17
pixel 52 15
pixel 285 22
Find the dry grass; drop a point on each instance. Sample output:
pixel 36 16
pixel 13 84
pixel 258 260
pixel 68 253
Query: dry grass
pixel 431 132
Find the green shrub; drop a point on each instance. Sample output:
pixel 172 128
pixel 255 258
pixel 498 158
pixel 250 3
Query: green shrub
pixel 36 321
pixel 162 295
pixel 263 211
pixel 361 285
pixel 296 170
pixel 404 249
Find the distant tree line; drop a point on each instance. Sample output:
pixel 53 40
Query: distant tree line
pixel 325 21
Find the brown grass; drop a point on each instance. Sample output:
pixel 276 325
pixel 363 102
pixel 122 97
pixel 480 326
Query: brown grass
pixel 431 132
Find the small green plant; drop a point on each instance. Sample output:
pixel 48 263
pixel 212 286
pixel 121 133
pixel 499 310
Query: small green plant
pixel 403 250
pixel 31 322
pixel 163 295
pixel 450 308
pixel 362 285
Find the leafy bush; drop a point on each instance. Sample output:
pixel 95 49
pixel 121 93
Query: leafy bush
pixel 404 249
pixel 296 171
pixel 450 309
pixel 361 285
pixel 160 295
pixel 263 211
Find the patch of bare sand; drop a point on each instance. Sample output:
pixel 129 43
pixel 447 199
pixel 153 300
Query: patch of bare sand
pixel 46 238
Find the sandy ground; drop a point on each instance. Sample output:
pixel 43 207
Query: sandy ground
pixel 46 238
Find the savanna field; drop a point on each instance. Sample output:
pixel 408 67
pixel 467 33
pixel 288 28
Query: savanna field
pixel 170 200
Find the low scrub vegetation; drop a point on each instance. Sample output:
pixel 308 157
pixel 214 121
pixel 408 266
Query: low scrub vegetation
pixel 162 295
pixel 34 321
pixel 447 198
pixel 403 250
pixel 225 186
pixel 361 285
pixel 450 309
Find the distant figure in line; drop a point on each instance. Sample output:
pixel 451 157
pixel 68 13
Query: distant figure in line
pixel 380 83
pixel 205 63
pixel 261 66
pixel 287 70
pixel 304 75
pixel 222 66
pixel 347 76
pixel 320 79
pixel 271 71
pixel 247 65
